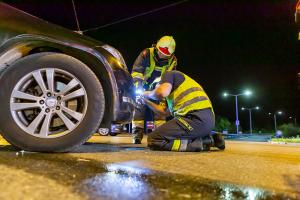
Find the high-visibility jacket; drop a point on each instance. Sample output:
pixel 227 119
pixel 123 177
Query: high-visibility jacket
pixel 149 69
pixel 188 96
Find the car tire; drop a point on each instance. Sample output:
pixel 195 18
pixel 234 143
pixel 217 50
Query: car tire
pixel 75 110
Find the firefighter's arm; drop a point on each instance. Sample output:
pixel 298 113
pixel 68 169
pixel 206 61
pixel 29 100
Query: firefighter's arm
pixel 160 92
pixel 159 109
pixel 138 68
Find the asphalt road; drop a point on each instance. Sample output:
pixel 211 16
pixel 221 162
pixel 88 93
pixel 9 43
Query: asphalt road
pixel 113 168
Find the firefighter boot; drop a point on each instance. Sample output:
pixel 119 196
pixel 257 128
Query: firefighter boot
pixel 138 134
pixel 207 142
pixel 219 141
pixel 199 144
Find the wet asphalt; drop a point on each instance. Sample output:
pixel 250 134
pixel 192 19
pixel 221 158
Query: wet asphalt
pixel 112 168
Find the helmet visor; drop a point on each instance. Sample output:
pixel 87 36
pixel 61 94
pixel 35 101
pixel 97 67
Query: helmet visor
pixel 164 50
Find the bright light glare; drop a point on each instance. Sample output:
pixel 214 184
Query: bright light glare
pixel 257 107
pixel 139 91
pixel 225 94
pixel 279 112
pixel 243 108
pixel 128 167
pixel 121 181
pixel 248 93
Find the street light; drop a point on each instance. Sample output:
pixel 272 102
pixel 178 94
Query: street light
pixel 275 119
pixel 295 120
pixel 246 93
pixel 250 115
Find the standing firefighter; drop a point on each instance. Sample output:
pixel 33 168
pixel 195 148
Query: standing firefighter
pixel 192 110
pixel 147 70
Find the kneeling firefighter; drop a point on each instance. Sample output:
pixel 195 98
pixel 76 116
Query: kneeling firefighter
pixel 193 114
pixel 147 70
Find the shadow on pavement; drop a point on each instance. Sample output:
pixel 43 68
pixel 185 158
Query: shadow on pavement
pixel 90 147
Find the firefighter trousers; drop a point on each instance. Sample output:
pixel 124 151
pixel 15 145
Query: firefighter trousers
pixel 141 116
pixel 186 133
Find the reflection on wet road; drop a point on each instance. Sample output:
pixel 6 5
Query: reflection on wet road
pixel 91 179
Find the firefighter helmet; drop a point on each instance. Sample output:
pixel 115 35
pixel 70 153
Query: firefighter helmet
pixel 166 45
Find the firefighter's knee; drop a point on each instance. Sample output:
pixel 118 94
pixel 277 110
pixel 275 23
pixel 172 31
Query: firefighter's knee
pixel 155 140
pixel 154 145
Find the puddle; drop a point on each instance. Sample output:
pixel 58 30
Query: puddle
pixel 127 180
pixel 124 183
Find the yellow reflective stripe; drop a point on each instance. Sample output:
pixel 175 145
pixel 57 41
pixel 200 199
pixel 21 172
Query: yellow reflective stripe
pixel 172 65
pixel 186 92
pixel 189 97
pixel 159 68
pixel 150 69
pixel 137 75
pixel 176 145
pixel 192 101
pixel 185 123
pixel 138 123
pixel 195 106
pixel 153 66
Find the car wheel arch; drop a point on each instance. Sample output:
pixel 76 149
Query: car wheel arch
pixel 24 49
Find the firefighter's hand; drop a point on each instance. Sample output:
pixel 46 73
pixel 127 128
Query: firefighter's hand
pixel 138 88
pixel 139 99
pixel 146 94
pixel 140 103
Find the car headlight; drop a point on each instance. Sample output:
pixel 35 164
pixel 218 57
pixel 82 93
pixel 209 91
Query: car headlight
pixel 115 53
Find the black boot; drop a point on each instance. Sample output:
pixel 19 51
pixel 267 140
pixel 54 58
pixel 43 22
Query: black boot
pixel 138 134
pixel 199 144
pixel 219 141
pixel 207 142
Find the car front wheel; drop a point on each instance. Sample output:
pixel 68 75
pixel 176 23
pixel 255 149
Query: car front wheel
pixel 50 102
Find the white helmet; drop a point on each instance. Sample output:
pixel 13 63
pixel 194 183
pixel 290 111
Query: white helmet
pixel 166 45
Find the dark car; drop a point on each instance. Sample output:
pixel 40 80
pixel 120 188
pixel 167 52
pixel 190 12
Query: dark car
pixel 57 87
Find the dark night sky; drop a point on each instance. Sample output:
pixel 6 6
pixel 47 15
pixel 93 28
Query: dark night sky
pixel 224 45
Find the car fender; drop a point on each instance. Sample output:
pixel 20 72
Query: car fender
pixel 26 44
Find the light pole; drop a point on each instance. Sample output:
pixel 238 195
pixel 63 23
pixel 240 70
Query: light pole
pixel 295 120
pixel 275 119
pixel 250 115
pixel 237 122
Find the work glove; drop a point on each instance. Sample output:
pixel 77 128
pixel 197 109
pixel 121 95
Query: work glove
pixel 140 102
pixel 139 89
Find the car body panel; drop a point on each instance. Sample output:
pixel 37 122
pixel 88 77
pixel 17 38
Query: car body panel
pixel 22 34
